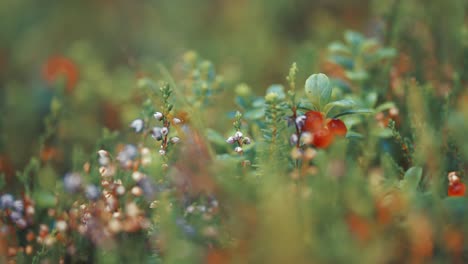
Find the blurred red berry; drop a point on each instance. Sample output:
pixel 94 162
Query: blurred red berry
pixel 337 127
pixel 57 66
pixel 313 122
pixel 456 189
pixel 322 138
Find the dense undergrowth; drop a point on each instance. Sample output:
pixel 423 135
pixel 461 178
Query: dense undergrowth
pixel 363 163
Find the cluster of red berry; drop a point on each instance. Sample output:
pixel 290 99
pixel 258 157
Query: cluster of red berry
pixel 323 130
pixel 456 187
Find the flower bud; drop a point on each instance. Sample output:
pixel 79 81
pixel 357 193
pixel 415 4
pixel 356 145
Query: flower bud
pixel 162 152
pixel 18 205
pixel 293 139
pixel 238 150
pixel 156 133
pixel 92 192
pixel 175 140
pixel 230 140
pixel 15 216
pixel 120 190
pixel 238 135
pixel 21 223
pixel 246 141
pixel 61 226
pixel 164 131
pixel 6 201
pixel 300 120
pixel 296 153
pixel 137 176
pixel 307 138
pixel 137 125
pixel 176 121
pixel 393 112
pixel 137 191
pixel 72 182
pixel 158 116
pixel 102 153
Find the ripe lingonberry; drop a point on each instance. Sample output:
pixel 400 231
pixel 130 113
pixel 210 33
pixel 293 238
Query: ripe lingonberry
pixel 323 133
pixel 456 189
pixel 337 127
pixel 313 121
pixel 322 138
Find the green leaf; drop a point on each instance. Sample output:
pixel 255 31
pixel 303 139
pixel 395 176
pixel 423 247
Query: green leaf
pixel 47 178
pixel 369 45
pixel 344 103
pixel 305 105
pixel 385 53
pixel 2 181
pixel 383 132
pixel 354 38
pixel 384 106
pixel 371 99
pixel 354 112
pixel 354 135
pixel 412 178
pixel 338 47
pixel 357 75
pixel 215 137
pixel 45 199
pixel 456 206
pixel 346 62
pixel 254 114
pixel 146 83
pixel 278 89
pixel 318 89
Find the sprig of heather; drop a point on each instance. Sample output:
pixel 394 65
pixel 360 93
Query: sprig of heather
pixel 165 118
pixel 162 133
pixel 238 138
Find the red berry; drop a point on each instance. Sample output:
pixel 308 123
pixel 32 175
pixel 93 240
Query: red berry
pixel 322 138
pixel 313 121
pixel 58 66
pixel 457 189
pixel 337 127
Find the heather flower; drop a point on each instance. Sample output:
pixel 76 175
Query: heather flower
pixel 238 150
pixel 92 192
pixel 104 158
pixel 300 121
pixel 137 176
pixel 156 133
pixel 137 125
pixel 293 139
pixel 6 201
pixel 158 116
pixel 72 182
pixel 164 131
pixel 127 154
pixel 230 140
pixel 176 121
pixel 238 135
pixel 18 205
pixel 147 187
pixel 21 223
pixel 15 216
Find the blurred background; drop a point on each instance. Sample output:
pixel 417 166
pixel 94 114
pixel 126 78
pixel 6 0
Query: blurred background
pixel 104 46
